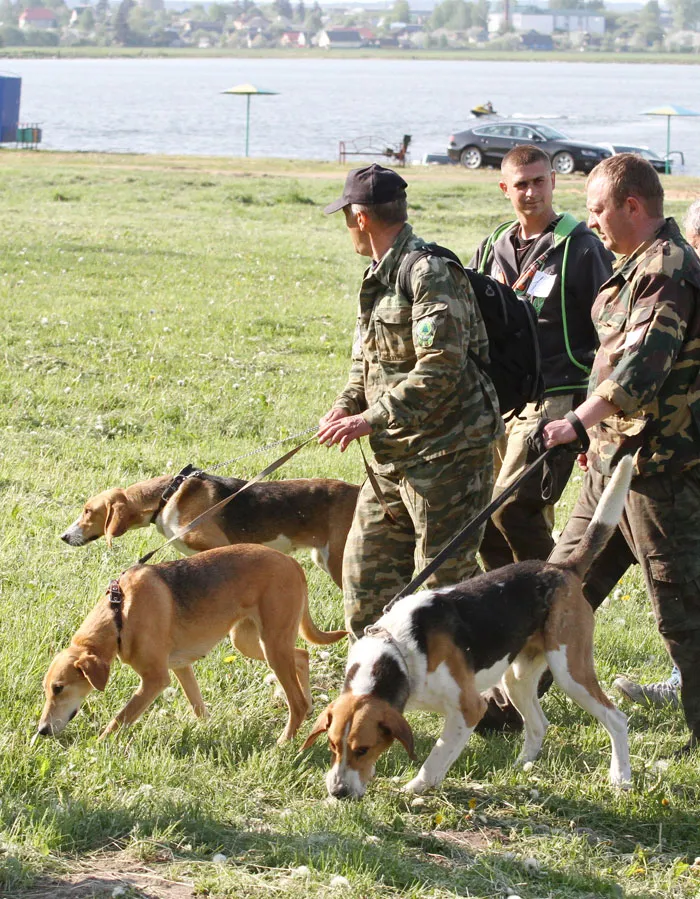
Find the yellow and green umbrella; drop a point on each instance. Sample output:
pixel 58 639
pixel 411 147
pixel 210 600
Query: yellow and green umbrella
pixel 248 91
pixel 670 110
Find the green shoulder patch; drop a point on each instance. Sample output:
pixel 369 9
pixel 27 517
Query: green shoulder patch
pixel 424 331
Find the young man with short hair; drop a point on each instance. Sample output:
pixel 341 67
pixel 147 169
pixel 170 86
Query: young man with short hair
pixel 417 392
pixel 643 400
pixel 558 265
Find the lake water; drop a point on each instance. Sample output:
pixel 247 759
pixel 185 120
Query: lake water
pixel 175 106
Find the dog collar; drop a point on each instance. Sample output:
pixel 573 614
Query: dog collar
pixel 116 602
pixel 172 488
pixel 373 630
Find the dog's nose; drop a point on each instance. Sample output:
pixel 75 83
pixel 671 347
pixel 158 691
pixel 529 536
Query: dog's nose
pixel 44 731
pixel 340 791
pixel 65 537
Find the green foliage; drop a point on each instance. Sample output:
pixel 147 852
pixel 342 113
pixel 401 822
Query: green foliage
pixel 456 15
pixel 11 36
pixel 686 14
pixel 401 11
pixel 164 311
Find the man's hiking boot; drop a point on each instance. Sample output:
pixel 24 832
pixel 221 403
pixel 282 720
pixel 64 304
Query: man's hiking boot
pixel 659 694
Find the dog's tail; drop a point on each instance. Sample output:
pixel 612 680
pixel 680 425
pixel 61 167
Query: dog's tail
pixel 312 634
pixel 604 521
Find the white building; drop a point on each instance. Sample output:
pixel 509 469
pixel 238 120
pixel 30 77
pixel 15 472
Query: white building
pixel 570 21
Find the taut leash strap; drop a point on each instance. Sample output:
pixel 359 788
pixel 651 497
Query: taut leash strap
pixel 377 489
pixel 468 529
pixel 273 466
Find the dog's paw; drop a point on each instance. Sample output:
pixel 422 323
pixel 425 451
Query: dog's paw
pixel 272 681
pixel 524 761
pixel 108 731
pixel 621 780
pixel 416 786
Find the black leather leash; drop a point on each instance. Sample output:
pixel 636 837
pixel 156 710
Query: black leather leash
pixel 450 548
pixel 536 443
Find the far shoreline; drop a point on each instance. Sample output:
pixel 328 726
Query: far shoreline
pixel 461 55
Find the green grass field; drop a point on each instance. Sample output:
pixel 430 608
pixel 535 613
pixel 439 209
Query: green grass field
pixel 159 311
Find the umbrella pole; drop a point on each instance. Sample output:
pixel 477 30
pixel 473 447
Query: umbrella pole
pixel 247 123
pixel 668 144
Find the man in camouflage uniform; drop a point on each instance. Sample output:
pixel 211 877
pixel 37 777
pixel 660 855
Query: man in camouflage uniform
pixel 430 412
pixel 644 399
pixel 664 692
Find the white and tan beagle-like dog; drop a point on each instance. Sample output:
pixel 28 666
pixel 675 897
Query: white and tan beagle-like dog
pixel 167 616
pixel 286 515
pixel 439 649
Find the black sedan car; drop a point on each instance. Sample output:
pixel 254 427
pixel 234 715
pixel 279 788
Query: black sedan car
pixel 488 144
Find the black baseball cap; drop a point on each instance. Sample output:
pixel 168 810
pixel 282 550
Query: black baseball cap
pixel 369 186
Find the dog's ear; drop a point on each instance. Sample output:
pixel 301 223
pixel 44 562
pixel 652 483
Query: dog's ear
pixel 95 670
pixel 323 722
pixel 395 724
pixel 118 519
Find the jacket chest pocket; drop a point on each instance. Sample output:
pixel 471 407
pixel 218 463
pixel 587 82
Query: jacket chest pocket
pixel 638 325
pixel 393 334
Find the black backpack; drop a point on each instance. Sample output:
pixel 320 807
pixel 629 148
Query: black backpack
pixel 511 326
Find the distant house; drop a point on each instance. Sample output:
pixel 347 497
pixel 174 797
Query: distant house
pixel 38 17
pixel 189 26
pixel 259 23
pixel 534 41
pixel 579 21
pixel 293 39
pixel 571 21
pixel 339 38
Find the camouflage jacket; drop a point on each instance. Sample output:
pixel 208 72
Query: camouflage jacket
pixel 411 375
pixel 648 365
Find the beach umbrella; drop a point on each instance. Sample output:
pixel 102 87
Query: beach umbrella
pixel 670 110
pixel 248 91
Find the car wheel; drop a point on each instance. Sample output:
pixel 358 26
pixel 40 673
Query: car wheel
pixel 563 163
pixel 471 158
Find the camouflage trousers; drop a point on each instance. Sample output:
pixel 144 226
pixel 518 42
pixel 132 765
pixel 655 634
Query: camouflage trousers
pixel 521 528
pixel 430 502
pixel 660 529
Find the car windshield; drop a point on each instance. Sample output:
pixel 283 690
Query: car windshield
pixel 551 133
pixel 641 151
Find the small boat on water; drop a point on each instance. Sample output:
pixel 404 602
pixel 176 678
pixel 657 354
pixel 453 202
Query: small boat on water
pixel 484 109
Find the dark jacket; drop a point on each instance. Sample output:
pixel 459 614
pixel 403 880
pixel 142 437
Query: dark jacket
pixel 568 339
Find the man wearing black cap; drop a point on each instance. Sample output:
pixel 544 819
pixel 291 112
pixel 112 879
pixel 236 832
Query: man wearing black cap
pixel 429 411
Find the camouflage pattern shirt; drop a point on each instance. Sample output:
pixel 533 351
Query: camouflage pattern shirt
pixel 411 374
pixel 648 365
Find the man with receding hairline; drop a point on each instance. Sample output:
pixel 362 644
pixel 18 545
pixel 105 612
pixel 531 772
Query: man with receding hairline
pixel 644 400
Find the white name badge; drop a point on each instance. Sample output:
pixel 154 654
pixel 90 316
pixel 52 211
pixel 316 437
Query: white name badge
pixel 541 284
